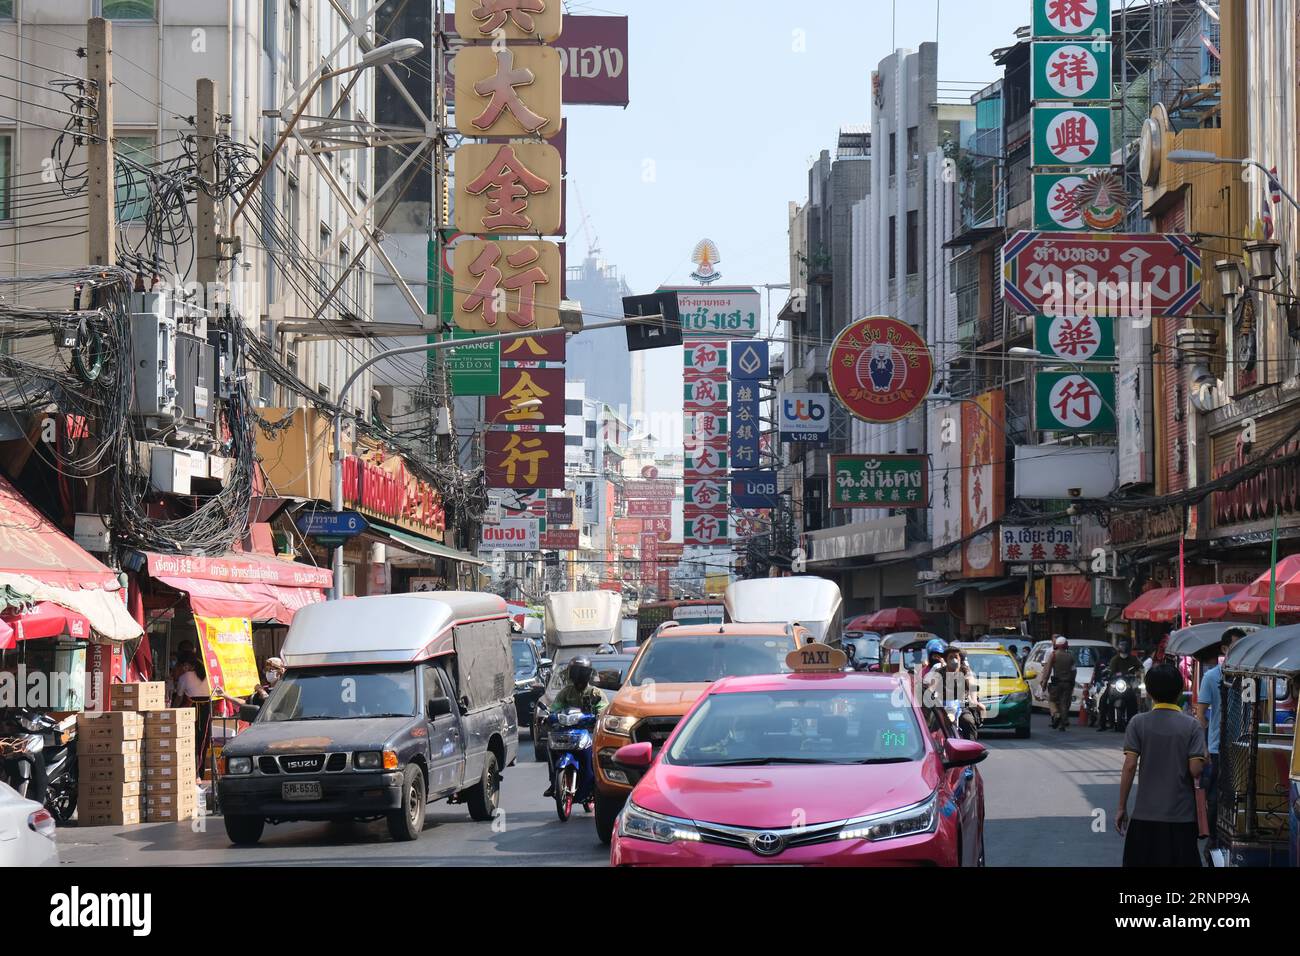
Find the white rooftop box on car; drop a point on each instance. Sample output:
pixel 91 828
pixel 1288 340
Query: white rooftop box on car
pixel 813 602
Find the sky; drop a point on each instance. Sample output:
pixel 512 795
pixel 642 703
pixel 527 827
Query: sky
pixel 731 102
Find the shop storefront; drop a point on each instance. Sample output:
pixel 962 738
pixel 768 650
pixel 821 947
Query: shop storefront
pixel 63 615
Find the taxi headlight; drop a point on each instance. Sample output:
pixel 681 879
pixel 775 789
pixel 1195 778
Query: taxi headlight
pixel 644 825
pixel 919 818
pixel 617 725
pixel 1019 697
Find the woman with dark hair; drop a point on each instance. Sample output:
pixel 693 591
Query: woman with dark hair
pixel 192 690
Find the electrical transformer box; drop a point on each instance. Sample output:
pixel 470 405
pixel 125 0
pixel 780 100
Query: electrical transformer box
pixel 153 345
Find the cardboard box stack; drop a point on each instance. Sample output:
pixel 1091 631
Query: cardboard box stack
pixel 138 697
pixel 169 790
pixel 111 761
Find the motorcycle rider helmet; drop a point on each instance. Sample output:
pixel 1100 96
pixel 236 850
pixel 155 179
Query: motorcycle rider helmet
pixel 1061 641
pixel 936 646
pixel 580 672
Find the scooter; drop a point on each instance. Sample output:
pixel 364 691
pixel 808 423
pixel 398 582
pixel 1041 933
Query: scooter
pixel 38 758
pixel 1121 695
pixel 965 723
pixel 569 746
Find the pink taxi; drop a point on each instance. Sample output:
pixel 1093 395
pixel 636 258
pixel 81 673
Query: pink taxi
pixel 824 769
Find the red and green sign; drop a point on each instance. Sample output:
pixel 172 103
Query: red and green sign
pixel 880 369
pixel 879 481
pixel 1078 72
pixel 1074 401
pixel 1084 338
pixel 1078 19
pixel 1070 136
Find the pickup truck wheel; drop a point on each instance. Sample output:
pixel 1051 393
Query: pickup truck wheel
pixel 406 823
pixel 244 830
pixel 607 811
pixel 484 797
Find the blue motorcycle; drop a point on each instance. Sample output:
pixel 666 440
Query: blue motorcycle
pixel 569 745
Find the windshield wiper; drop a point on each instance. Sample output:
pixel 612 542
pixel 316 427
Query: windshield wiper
pixel 872 760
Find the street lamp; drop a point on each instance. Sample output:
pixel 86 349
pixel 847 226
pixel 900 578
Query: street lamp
pixel 383 55
pixel 1230 281
pixel 1191 156
pixel 1262 255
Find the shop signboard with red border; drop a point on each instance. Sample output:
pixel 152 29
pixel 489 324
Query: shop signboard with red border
pixel 880 369
pixel 525 459
pixel 649 507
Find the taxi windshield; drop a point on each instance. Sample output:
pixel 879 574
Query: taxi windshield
pixel 702 660
pixel 798 726
pixel 992 664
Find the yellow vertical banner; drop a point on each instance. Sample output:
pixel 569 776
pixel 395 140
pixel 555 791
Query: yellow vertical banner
pixel 227 644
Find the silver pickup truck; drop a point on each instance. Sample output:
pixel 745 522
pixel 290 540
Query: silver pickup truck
pixel 388 703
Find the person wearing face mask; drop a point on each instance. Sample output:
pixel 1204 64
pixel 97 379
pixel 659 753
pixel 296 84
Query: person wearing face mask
pixel 272 671
pixel 578 693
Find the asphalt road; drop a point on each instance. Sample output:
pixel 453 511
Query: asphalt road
pixel 1042 794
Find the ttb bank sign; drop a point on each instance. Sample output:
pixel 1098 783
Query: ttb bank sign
pixel 804 417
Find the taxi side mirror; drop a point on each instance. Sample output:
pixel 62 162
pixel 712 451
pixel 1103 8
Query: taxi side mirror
pixel 962 753
pixel 635 755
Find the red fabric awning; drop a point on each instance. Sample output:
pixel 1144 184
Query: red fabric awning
pixel 270 603
pixel 1250 605
pixel 897 618
pixel 32 545
pixel 45 619
pixel 1140 609
pixel 1288 572
pixel 1204 602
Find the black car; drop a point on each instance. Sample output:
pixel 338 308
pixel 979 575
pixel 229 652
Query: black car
pixel 531 673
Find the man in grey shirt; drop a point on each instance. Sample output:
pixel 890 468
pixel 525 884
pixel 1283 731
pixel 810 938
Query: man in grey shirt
pixel 1168 747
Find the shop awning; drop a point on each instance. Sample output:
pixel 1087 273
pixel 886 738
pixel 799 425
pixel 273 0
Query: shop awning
pixel 1140 609
pixel 45 619
pixel 255 586
pixel 40 562
pixel 1252 606
pixel 1288 582
pixel 425 546
pixel 1204 602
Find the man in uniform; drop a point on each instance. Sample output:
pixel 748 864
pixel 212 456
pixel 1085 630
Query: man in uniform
pixel 578 693
pixel 1059 672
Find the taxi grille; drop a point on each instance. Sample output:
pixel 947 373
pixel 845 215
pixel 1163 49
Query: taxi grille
pixel 747 838
pixel 654 730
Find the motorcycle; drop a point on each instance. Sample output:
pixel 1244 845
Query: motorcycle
pixel 1092 698
pixel 1122 695
pixel 38 758
pixel 966 723
pixel 569 746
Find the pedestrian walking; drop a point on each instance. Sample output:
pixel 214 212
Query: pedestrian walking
pixel 1165 749
pixel 1209 711
pixel 1059 670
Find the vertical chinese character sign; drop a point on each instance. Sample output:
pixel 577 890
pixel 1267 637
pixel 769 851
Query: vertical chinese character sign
pixel 506 276
pixel 706 442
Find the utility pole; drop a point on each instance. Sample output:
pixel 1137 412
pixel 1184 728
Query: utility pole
pixel 207 243
pixel 101 215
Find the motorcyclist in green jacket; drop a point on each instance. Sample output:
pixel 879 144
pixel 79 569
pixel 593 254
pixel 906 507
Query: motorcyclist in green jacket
pixel 578 693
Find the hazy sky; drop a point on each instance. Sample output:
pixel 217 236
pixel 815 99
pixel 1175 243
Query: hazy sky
pixel 728 112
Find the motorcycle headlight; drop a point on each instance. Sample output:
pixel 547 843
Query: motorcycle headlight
pixel 618 725
pixel 644 825
pixel 238 766
pixel 921 817
pixel 1121 686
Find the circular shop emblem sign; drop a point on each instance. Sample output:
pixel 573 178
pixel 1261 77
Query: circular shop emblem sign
pixel 1072 136
pixel 880 369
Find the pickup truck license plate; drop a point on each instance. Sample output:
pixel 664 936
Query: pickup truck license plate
pixel 300 791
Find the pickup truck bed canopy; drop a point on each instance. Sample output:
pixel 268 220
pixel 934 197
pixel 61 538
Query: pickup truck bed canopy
pixel 389 628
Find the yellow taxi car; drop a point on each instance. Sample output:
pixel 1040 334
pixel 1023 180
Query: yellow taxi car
pixel 1003 690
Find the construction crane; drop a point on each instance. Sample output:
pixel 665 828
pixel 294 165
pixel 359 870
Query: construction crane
pixel 593 243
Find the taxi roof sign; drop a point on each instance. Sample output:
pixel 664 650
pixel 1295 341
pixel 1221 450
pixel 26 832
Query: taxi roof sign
pixel 816 658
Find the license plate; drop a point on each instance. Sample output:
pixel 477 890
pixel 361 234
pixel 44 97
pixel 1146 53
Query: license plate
pixel 300 791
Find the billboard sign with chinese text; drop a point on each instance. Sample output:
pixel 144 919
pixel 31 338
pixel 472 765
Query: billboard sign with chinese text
pixel 1074 401
pixel 1066 19
pixel 521 385
pixel 559 510
pixel 706 528
pixel 525 459
pixel 1076 338
pixel 1039 543
pixel 509 285
pixel 983 448
pixel 1070 136
pixel 879 481
pixel 534 349
pixel 1120 274
pixel 508 189
pixel 649 507
pixel 1078 72
pixel 650 488
pixel 512 91
pixel 561 539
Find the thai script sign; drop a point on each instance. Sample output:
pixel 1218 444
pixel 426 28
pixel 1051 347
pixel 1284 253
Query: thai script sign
pixel 1039 543
pixel 880 481
pixel 710 311
pixel 512 534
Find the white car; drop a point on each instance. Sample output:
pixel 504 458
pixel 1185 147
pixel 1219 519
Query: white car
pixel 1087 654
pixel 26 832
